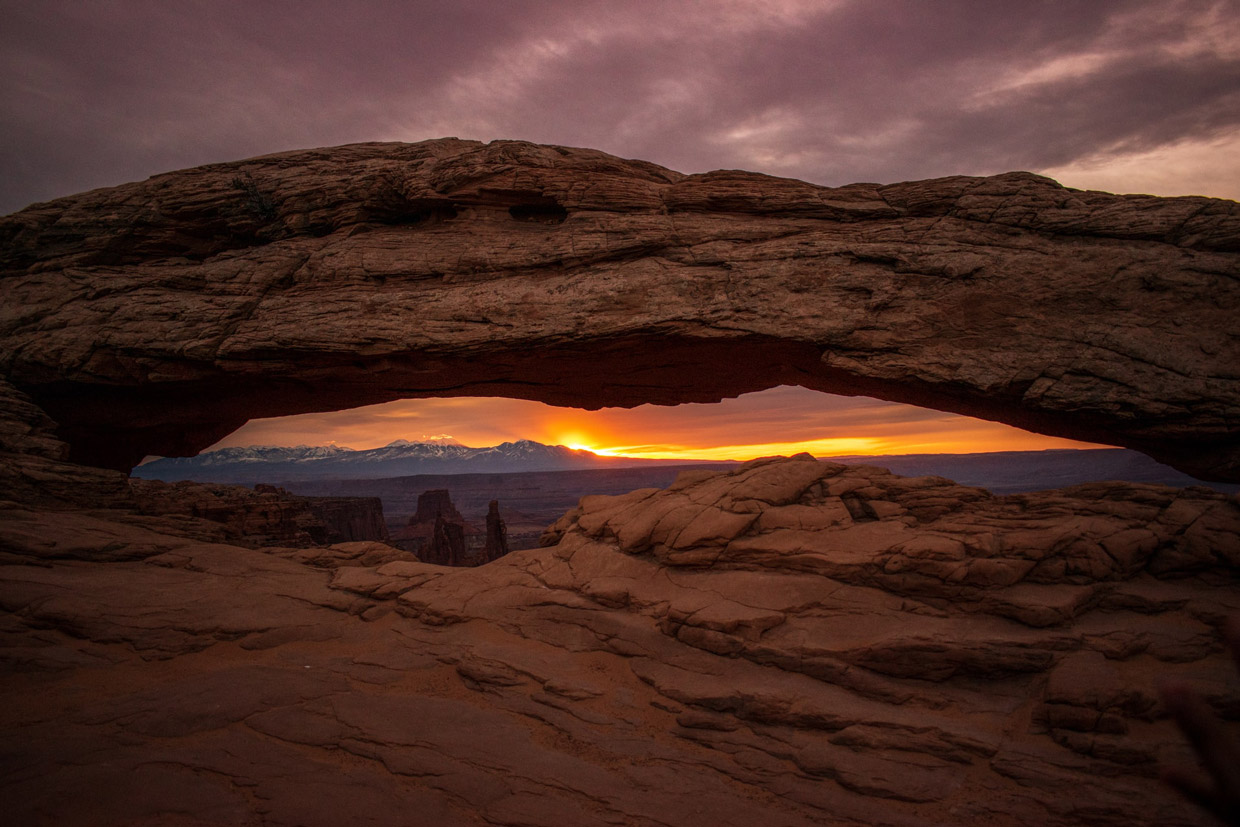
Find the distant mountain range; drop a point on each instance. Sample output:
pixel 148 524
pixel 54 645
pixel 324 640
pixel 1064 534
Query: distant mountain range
pixel 1001 472
pixel 398 459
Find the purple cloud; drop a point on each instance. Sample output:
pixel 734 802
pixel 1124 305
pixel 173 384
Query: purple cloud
pixel 97 94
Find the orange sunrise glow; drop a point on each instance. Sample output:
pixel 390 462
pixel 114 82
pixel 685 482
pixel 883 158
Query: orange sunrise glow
pixel 785 420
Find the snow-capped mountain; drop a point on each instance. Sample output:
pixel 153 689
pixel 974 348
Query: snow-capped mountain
pixel 260 454
pixel 434 455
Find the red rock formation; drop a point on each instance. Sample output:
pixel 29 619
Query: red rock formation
pixel 497 534
pixel 265 516
pixel 434 504
pixel 34 467
pixel 437 531
pixel 350 519
pixel 572 277
pixel 788 643
pixel 447 544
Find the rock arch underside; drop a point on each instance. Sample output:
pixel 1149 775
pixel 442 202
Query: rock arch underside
pixel 155 318
pixel 789 642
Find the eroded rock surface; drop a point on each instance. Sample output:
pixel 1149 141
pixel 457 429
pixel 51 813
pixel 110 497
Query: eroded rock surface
pixel 437 532
pixel 265 515
pixel 156 317
pixel 497 534
pixel 34 466
pixel 789 643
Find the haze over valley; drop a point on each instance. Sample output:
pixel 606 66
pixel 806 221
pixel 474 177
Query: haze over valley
pixel 535 484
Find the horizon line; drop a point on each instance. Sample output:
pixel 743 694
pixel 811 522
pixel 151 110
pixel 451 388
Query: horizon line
pixel 613 453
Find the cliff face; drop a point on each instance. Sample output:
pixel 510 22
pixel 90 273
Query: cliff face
pixel 349 519
pixel 440 535
pixel 447 544
pixel 435 503
pixel 497 534
pixel 265 515
pixel 155 317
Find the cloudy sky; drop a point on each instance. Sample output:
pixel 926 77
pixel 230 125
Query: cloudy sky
pixel 1123 95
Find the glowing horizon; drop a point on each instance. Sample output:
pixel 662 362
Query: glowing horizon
pixel 779 421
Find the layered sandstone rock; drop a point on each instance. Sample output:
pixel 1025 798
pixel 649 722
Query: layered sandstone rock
pixel 497 534
pixel 34 467
pixel 434 504
pixel 156 317
pixel 265 515
pixel 447 544
pixel 437 532
pixel 789 643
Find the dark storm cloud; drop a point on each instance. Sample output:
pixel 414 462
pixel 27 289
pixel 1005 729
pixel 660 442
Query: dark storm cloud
pixel 887 91
pixel 881 90
pixel 101 93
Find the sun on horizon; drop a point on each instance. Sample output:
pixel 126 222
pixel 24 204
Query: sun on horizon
pixel 780 421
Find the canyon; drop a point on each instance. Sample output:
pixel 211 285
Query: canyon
pixel 531 500
pixel 784 642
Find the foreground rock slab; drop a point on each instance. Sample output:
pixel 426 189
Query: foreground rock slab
pixel 789 643
pixel 156 317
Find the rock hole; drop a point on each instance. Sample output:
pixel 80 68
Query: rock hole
pixel 414 211
pixel 859 509
pixel 544 211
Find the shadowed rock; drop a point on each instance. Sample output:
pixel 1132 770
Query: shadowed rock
pixel 787 643
pixel 437 531
pixel 433 504
pixel 155 317
pixel 447 544
pixel 266 515
pixel 497 534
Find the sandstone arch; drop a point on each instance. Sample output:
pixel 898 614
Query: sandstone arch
pixel 155 317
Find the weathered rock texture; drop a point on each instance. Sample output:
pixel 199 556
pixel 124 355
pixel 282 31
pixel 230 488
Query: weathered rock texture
pixel 790 643
pixel 266 516
pixel 156 317
pixel 447 544
pixel 34 467
pixel 437 532
pixel 435 503
pixel 497 534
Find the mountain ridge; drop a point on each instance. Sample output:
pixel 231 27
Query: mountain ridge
pixel 399 458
